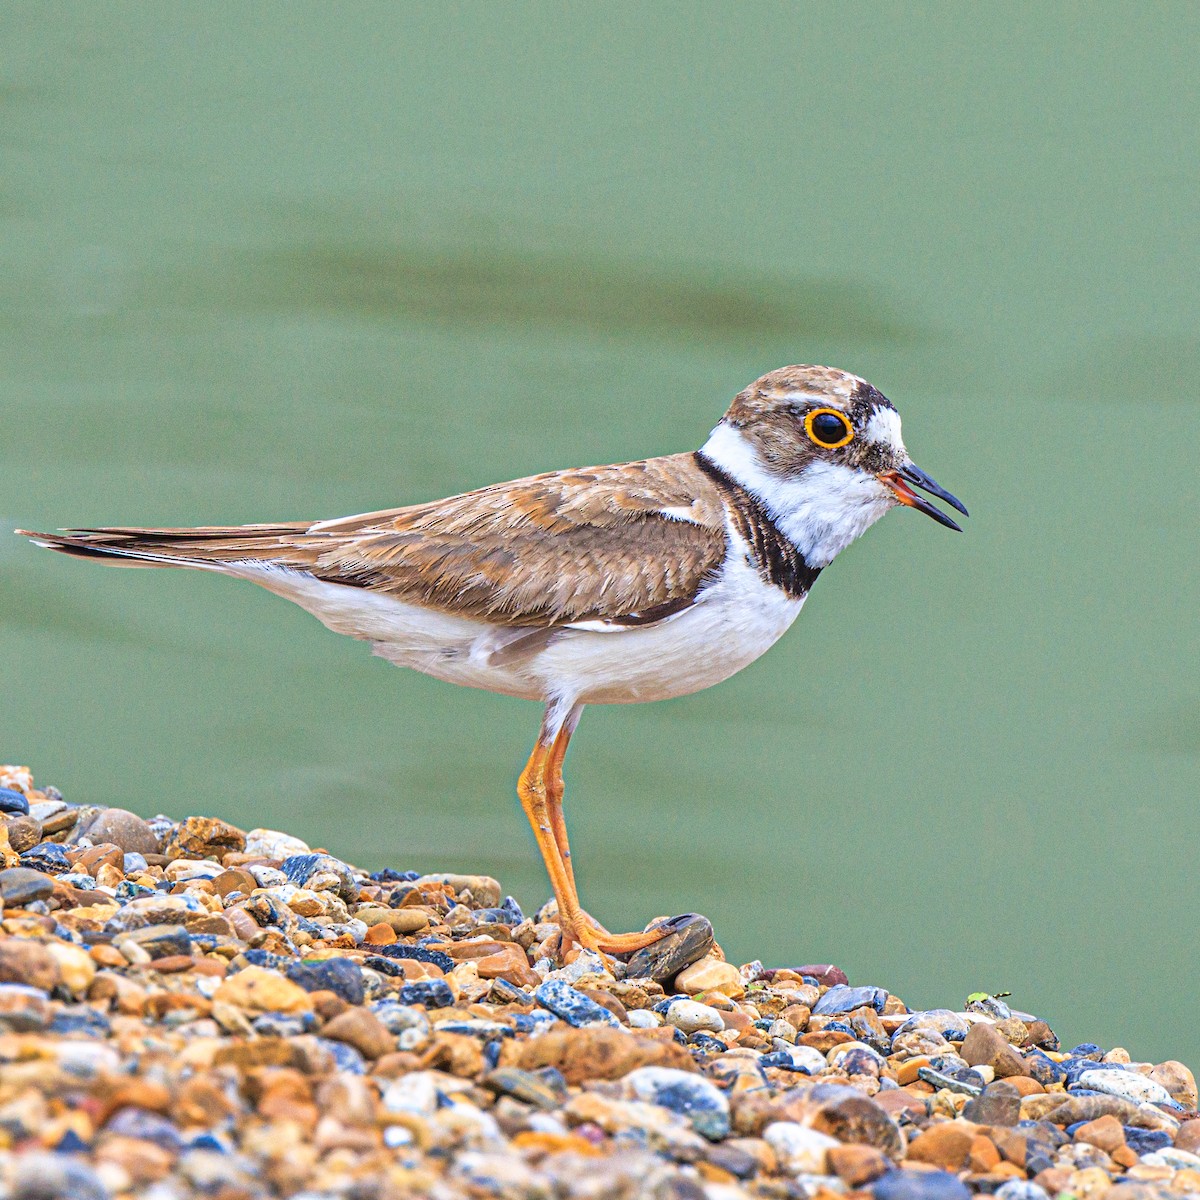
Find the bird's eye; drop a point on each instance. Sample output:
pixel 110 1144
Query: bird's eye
pixel 828 427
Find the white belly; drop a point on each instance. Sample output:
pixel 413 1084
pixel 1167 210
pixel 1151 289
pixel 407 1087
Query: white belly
pixel 735 620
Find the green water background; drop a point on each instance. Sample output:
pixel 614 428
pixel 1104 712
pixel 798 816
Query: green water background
pixel 281 261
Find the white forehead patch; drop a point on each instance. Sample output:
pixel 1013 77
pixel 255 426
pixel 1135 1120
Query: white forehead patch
pixel 884 428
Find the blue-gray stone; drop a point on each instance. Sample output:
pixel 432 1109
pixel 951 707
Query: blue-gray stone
pixel 208 1141
pixel 572 1005
pixel 48 1176
pixel 71 1143
pixel 257 957
pixel 949 1024
pixel 82 1019
pixel 162 941
pixel 692 1096
pixel 46 856
pixel 338 975
pixel 487 1030
pixel 843 998
pixel 345 1057
pixel 1021 1189
pixel 1146 1141
pixel 300 868
pixel 433 993
pixel 133 862
pixel 1043 1068
pixel 13 803
pixel 533 1023
pixel 283 1025
pixel 145 1125
pixel 1087 1050
pixel 919 1185
pixel 398 950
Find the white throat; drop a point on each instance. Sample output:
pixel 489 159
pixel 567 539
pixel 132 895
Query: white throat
pixel 821 511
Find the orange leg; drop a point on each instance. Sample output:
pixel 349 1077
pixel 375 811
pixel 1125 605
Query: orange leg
pixel 541 790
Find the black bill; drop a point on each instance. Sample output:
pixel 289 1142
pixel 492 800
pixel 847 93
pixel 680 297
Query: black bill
pixel 899 480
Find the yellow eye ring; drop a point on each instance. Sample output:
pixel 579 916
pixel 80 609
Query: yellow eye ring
pixel 824 433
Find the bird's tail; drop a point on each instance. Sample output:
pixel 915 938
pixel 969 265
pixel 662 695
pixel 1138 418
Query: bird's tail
pixel 212 548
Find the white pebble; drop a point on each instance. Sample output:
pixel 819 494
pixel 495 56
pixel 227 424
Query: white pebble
pixel 692 1016
pixel 798 1148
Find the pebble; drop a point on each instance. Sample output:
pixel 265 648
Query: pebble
pixel 341 976
pixel 690 1016
pixel 195 1022
pixel 20 885
pixel 950 1025
pixel 1127 1084
pixel 124 829
pixel 320 873
pixel 692 1096
pixel 13 802
pixel 711 975
pixel 571 1005
pixel 690 939
pixel 840 999
pixel 919 1185
pixel 800 1150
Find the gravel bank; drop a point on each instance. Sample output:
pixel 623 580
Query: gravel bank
pixel 188 1009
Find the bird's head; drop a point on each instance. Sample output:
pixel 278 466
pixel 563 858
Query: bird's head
pixel 821 448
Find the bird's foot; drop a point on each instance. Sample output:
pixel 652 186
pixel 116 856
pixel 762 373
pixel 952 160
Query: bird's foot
pixel 603 942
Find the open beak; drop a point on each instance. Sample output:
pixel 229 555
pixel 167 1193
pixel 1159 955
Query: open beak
pixel 899 480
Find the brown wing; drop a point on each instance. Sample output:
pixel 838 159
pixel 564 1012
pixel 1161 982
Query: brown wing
pixel 628 543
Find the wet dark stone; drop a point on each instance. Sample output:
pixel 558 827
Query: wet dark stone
pixel 433 993
pixel 419 953
pixel 46 856
pixel 20 885
pixel 338 975
pixel 13 802
pixel 923 1185
pixel 689 939
pixel 162 941
pixel 1000 1104
pixel 1087 1050
pixel 572 1005
pixel 843 999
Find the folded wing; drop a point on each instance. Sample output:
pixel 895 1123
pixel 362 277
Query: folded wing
pixel 607 546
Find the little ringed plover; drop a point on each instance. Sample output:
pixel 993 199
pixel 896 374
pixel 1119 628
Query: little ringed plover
pixel 602 585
